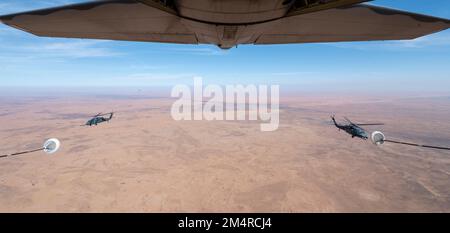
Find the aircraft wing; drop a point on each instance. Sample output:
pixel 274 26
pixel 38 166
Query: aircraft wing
pixel 360 22
pixel 107 19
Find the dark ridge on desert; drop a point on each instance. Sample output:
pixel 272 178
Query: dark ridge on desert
pixel 144 161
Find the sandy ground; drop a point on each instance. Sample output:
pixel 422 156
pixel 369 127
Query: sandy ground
pixel 143 161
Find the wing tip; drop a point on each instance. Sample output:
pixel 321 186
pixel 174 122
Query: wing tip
pixel 7 21
pixel 418 16
pixel 4 18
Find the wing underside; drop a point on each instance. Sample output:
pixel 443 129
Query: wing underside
pixel 147 20
pixel 360 22
pixel 110 19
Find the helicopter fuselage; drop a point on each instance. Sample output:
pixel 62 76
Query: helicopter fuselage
pixel 99 119
pixel 96 120
pixel 354 131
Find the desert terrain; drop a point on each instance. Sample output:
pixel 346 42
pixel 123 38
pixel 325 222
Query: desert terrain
pixel 144 161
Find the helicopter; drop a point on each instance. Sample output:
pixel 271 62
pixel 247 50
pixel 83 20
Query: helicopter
pixel 99 118
pixel 355 130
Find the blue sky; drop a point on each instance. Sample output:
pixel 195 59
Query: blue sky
pixel 419 65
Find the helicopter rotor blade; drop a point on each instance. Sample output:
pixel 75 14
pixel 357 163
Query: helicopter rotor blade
pixel 362 124
pixel 103 114
pixel 348 120
pixel 98 114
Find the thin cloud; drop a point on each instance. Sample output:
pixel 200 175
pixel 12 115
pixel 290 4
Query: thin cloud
pixel 206 51
pixel 294 73
pixel 427 42
pixel 72 49
pixel 158 76
pixel 76 49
